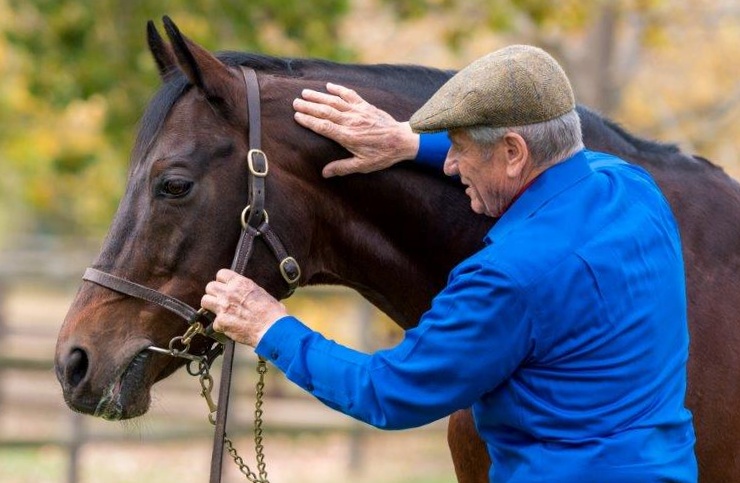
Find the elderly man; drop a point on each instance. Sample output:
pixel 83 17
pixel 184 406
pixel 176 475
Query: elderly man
pixel 572 357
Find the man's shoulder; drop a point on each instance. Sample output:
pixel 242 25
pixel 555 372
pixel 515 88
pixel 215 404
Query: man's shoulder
pixel 613 202
pixel 631 182
pixel 601 162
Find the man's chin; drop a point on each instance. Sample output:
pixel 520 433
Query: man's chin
pixel 481 209
pixel 478 207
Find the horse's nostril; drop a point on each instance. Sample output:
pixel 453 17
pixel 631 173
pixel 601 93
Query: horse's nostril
pixel 76 368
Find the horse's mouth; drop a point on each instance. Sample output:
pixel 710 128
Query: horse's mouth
pixel 120 401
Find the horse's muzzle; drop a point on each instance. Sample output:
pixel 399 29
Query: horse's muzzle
pixel 110 391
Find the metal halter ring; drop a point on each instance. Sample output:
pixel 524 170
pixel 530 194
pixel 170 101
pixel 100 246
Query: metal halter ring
pixel 245 212
pixel 250 162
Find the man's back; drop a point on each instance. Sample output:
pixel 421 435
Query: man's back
pixel 594 247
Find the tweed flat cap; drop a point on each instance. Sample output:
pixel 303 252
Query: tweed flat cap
pixel 513 86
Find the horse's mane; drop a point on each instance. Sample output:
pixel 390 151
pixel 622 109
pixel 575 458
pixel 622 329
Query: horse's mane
pixel 305 67
pixel 592 121
pixel 382 76
pixel 641 144
pixel 598 130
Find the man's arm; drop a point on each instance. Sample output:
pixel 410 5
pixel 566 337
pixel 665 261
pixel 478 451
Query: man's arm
pixel 376 140
pixel 475 334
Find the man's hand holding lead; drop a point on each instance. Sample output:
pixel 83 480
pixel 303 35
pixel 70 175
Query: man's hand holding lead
pixel 244 311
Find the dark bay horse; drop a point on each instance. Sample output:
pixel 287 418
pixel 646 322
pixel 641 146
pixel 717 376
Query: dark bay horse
pixel 393 235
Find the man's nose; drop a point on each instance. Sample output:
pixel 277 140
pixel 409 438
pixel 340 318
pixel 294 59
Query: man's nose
pixel 450 166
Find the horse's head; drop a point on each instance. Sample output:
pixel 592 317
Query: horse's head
pixel 177 224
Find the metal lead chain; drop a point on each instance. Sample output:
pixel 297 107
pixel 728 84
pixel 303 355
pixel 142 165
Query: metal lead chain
pixel 206 384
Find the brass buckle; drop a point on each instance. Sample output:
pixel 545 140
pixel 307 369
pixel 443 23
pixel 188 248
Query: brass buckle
pixel 250 162
pixel 288 278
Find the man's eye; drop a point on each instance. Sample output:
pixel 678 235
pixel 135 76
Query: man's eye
pixel 174 187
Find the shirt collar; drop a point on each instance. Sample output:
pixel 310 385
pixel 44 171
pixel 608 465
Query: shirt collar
pixel 546 186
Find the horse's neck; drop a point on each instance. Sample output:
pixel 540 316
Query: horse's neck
pixel 394 236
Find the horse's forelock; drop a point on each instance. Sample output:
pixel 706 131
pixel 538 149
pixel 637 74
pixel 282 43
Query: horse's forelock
pixel 155 114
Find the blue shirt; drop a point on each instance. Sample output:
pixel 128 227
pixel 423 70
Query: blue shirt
pixel 433 149
pixel 567 333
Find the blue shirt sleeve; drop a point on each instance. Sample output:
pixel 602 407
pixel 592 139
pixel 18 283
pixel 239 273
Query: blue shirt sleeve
pixel 433 149
pixel 474 336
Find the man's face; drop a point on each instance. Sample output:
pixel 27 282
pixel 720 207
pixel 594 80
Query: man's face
pixel 482 169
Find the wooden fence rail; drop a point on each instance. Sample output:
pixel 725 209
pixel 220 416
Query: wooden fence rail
pixel 35 289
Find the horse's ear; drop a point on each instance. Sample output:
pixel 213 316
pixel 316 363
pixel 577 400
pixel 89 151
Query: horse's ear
pixel 202 68
pixel 161 51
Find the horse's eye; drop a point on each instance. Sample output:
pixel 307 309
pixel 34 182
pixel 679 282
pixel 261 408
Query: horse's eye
pixel 174 187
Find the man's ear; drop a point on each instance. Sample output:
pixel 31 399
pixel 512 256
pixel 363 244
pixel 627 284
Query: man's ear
pixel 517 154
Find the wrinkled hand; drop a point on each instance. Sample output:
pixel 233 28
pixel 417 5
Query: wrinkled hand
pixel 244 311
pixel 375 139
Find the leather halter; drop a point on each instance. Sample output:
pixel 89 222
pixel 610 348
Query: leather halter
pixel 255 223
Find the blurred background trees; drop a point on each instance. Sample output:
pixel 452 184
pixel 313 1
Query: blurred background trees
pixel 76 74
pixel 76 77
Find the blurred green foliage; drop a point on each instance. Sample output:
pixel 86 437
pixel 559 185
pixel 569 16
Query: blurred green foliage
pixel 77 75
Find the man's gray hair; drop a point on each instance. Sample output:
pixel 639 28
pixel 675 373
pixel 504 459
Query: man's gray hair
pixel 548 142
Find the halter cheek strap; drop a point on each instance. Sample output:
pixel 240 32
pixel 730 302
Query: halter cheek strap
pixel 255 223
